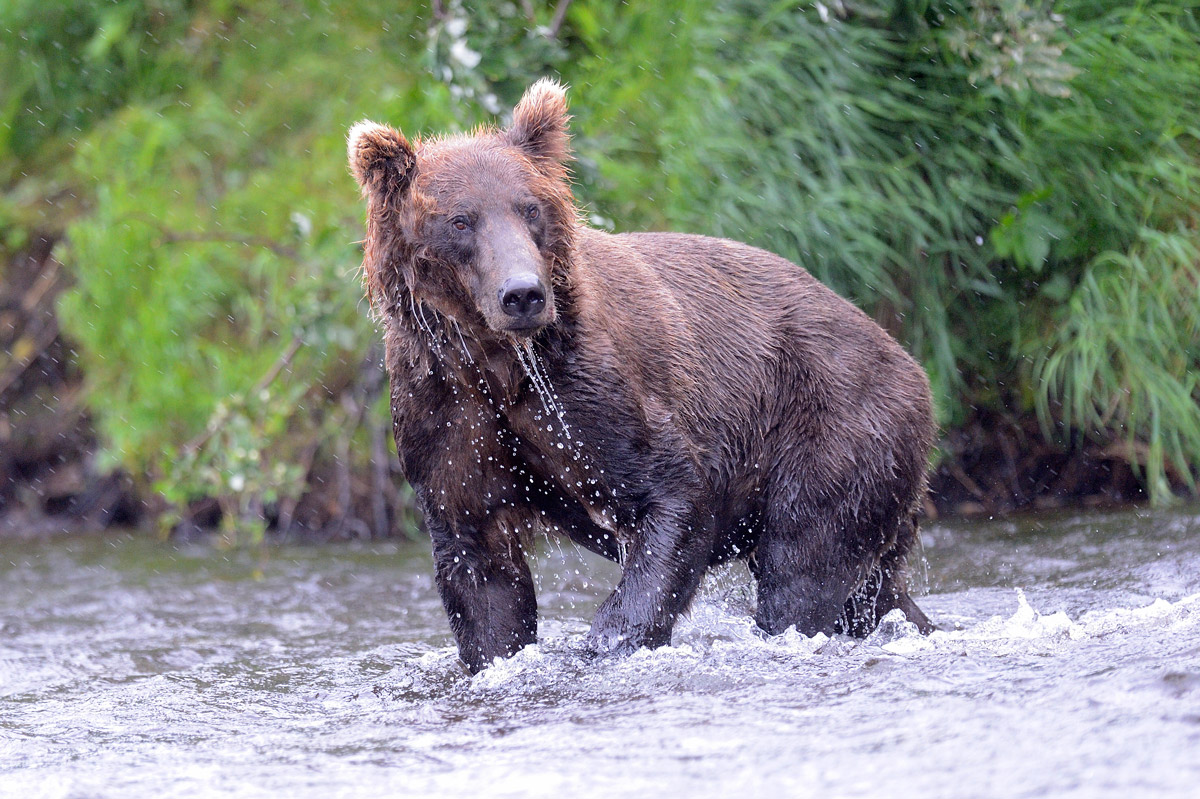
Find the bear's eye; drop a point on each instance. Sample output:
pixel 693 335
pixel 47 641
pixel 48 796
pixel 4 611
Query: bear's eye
pixel 460 222
pixel 532 212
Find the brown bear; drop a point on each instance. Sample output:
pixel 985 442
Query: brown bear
pixel 669 401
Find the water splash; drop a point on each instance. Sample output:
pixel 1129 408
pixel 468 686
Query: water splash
pixel 465 349
pixel 418 316
pixel 541 384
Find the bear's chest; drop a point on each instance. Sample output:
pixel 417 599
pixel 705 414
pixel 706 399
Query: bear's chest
pixel 556 441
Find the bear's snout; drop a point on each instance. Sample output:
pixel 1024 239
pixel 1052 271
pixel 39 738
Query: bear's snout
pixel 523 297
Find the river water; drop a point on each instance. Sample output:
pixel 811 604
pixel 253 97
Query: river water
pixel 1069 666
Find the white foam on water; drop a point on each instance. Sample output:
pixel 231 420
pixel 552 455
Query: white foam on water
pixel 504 672
pixel 717 637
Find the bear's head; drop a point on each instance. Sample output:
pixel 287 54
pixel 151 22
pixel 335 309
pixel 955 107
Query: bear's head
pixel 477 227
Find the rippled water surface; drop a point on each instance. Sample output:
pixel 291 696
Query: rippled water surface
pixel 1069 666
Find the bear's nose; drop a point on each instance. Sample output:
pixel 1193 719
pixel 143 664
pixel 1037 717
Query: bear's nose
pixel 522 296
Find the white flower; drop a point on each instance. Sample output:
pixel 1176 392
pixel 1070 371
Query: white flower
pixel 303 224
pixel 464 55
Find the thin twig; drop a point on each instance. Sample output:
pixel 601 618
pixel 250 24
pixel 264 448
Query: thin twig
pixel 287 508
pixel 44 282
pixel 281 363
pixel 560 14
pixel 356 412
pixel 341 457
pixel 41 342
pixel 965 480
pixel 379 453
pixel 379 479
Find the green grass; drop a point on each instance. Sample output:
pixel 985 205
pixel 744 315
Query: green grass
pixel 1029 228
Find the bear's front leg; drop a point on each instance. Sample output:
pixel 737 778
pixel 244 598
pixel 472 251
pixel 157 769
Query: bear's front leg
pixel 663 566
pixel 486 588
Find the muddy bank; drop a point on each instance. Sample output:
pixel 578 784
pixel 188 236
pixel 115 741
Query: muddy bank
pixel 999 464
pixel 50 481
pixel 48 477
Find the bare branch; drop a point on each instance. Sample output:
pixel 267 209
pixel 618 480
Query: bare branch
pixel 281 363
pixel 39 342
pixel 560 14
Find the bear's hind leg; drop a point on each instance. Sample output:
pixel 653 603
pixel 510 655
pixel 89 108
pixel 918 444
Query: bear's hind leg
pixel 884 590
pixel 803 579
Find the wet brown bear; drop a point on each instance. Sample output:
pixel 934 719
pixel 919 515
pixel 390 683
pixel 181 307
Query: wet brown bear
pixel 668 401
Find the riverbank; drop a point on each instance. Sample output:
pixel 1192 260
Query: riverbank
pixel 51 479
pixel 202 357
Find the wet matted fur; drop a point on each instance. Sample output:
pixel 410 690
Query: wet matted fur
pixel 672 402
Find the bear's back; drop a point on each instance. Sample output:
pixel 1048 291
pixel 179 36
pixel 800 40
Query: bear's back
pixel 725 333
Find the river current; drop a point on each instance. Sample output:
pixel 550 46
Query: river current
pixel 1068 665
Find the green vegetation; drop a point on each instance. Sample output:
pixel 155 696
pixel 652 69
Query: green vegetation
pixel 1011 187
pixel 1027 224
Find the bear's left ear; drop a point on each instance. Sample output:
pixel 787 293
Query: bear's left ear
pixel 382 160
pixel 540 122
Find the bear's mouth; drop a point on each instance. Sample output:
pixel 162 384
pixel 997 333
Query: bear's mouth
pixel 523 331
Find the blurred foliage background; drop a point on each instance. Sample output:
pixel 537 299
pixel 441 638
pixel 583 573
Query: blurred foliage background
pixel 1010 187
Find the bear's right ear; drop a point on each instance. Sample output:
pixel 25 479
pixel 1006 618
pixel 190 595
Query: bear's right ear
pixel 382 160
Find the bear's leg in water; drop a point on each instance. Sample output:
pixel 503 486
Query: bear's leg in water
pixel 885 590
pixel 664 563
pixel 805 569
pixel 486 588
